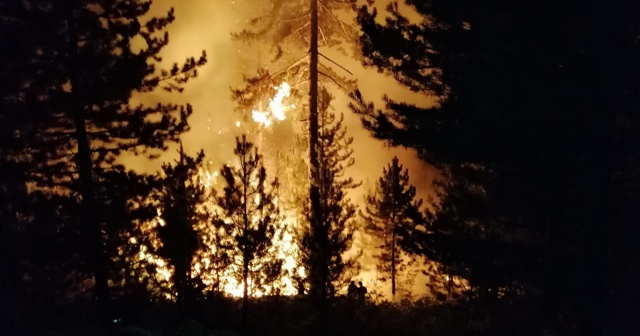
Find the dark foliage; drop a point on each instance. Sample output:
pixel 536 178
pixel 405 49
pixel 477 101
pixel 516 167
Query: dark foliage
pixel 180 202
pixel 251 218
pixel 532 107
pixel 325 240
pixel 71 69
pixel 391 210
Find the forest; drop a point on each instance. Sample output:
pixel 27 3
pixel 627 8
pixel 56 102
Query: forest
pixel 326 167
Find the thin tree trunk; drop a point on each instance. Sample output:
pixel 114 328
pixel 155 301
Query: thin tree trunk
pixel 245 248
pixel 314 171
pixel 85 169
pixel 245 289
pixel 314 164
pixel 393 265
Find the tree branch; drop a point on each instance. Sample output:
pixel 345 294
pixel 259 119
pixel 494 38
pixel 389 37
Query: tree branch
pixel 292 33
pixel 334 62
pixel 332 79
pixel 323 37
pixel 296 63
pixel 294 18
pixel 340 23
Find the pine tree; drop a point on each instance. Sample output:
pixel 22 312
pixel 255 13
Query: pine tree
pixel 293 31
pixel 247 205
pixel 325 240
pixel 181 198
pixel 82 72
pixel 391 209
pixel 285 26
pixel 126 203
pixel 525 132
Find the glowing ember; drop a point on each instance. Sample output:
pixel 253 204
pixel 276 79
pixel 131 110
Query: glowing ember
pixel 277 107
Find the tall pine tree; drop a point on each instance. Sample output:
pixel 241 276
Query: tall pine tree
pixel 247 205
pixel 326 239
pixel 84 62
pixel 525 131
pixel 296 30
pixel 390 210
pixel 181 201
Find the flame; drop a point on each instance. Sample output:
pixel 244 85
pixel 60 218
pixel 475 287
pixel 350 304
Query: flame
pixel 284 247
pixel 277 108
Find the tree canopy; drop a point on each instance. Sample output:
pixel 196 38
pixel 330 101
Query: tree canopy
pixel 530 102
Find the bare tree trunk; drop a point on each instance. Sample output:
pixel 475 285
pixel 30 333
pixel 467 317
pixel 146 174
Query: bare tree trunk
pixel 245 289
pixel 393 265
pixel 317 229
pixel 85 168
pixel 245 248
pixel 314 164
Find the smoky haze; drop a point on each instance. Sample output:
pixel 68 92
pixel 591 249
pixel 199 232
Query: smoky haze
pixel 207 25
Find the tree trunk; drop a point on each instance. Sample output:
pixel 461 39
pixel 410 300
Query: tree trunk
pixel 314 171
pixel 314 164
pixel 85 169
pixel 245 250
pixel 393 265
pixel 245 289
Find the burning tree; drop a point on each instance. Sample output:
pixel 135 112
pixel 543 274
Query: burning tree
pixel 249 213
pixel 391 209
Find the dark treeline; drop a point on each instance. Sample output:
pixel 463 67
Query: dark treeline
pixel 535 134
pixel 531 230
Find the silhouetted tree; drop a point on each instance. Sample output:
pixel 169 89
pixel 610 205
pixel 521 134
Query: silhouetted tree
pixel 83 73
pixel 524 130
pixel 181 198
pixel 247 205
pixel 390 210
pixel 300 26
pixel 325 241
pixel 126 203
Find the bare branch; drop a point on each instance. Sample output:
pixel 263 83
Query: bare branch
pixel 293 33
pixel 332 79
pixel 323 37
pixel 294 18
pixel 334 62
pixel 338 21
pixel 296 63
pixel 300 76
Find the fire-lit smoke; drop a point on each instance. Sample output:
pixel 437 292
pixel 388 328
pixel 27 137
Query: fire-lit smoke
pixel 214 125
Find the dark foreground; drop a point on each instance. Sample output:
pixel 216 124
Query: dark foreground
pixel 277 316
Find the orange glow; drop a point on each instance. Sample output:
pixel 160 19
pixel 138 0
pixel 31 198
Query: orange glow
pixel 214 125
pixel 277 107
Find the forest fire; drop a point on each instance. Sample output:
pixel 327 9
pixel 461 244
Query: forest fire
pixel 156 176
pixel 277 107
pixel 284 245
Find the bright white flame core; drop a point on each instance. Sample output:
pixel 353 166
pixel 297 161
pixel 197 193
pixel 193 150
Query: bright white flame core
pixel 277 108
